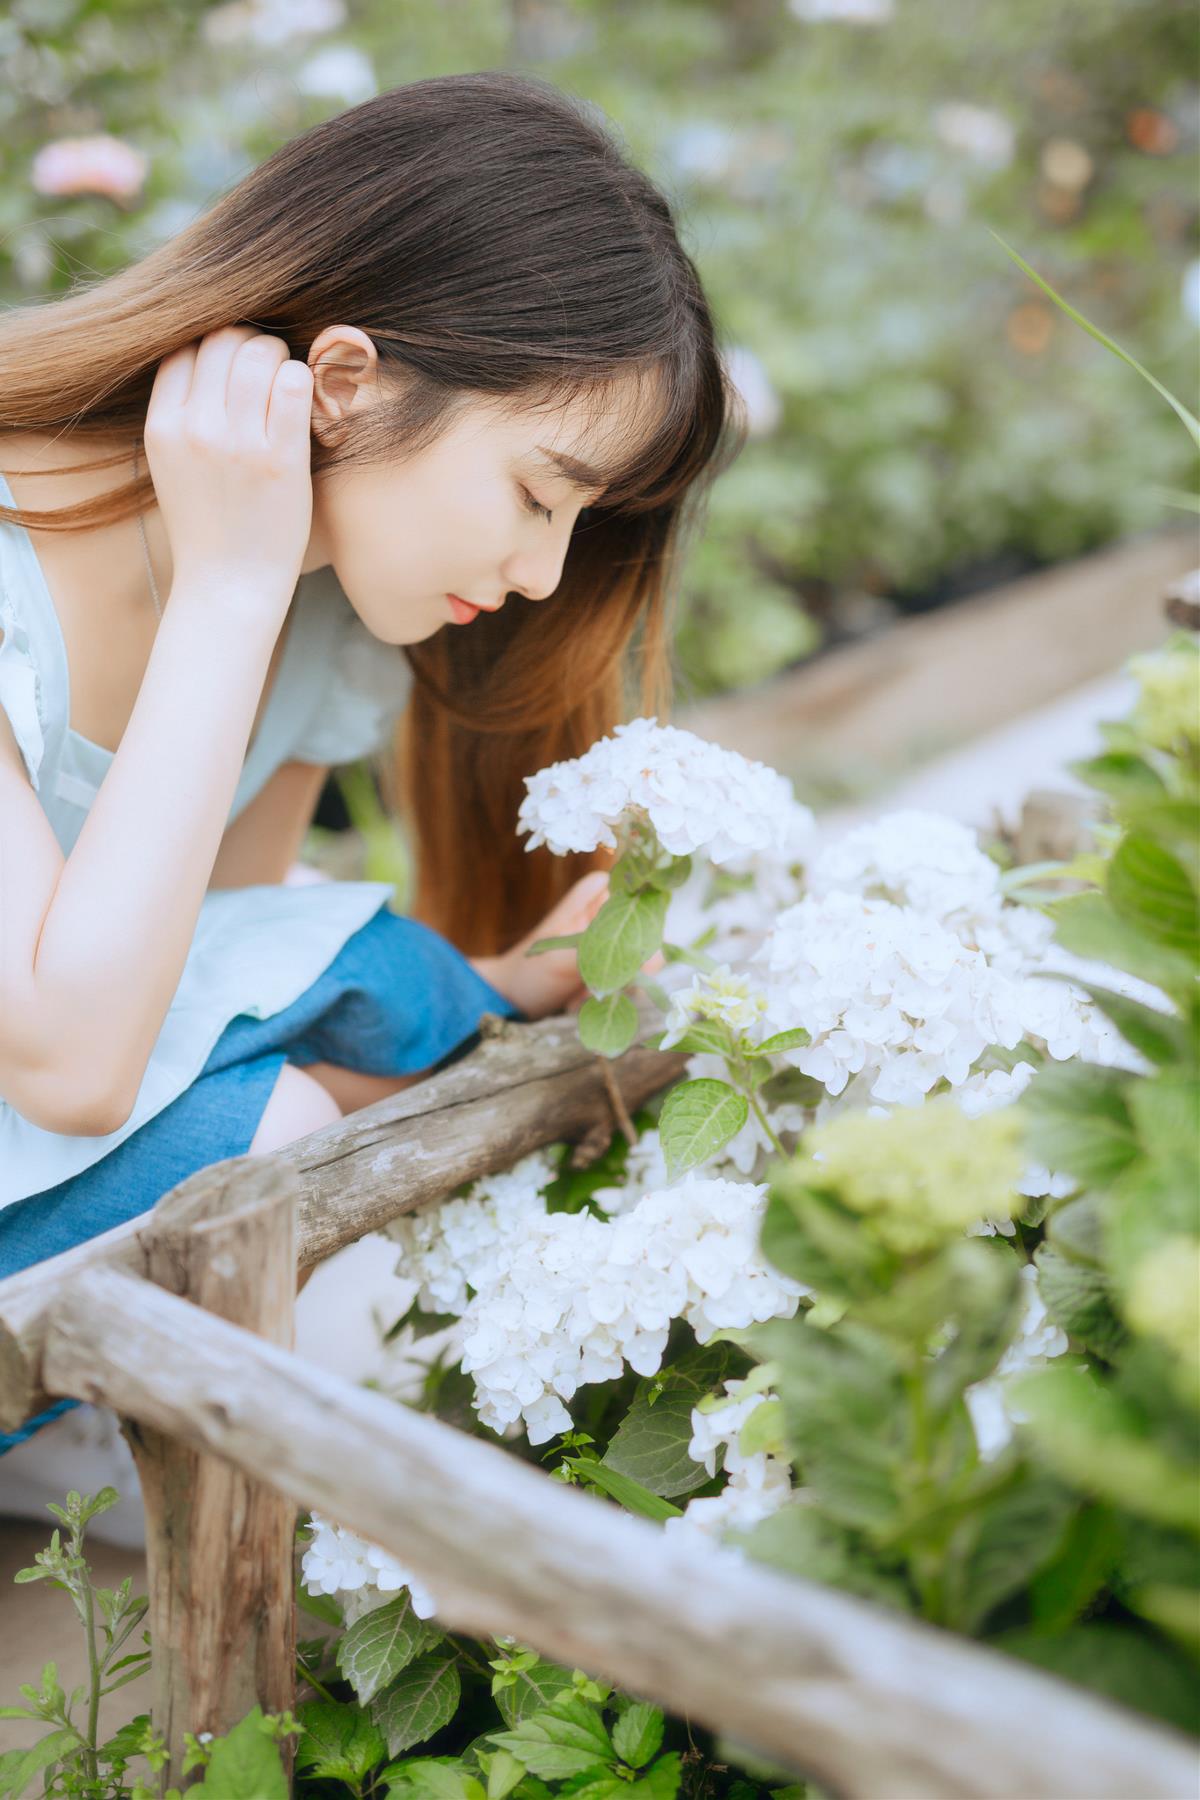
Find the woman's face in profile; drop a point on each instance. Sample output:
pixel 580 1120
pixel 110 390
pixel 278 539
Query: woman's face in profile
pixel 484 512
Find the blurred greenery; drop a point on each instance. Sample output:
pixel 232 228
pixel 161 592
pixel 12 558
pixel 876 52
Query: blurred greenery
pixel 924 420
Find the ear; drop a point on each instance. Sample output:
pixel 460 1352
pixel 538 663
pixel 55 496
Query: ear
pixel 345 369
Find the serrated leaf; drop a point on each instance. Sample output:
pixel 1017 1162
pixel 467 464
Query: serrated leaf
pixel 624 934
pixel 1078 1298
pixel 1079 1121
pixel 1015 1534
pixel 650 1445
pixel 662 1782
pixel 339 1743
pixel 422 1699
pixel 608 1026
pixel 377 1646
pixel 1089 926
pixel 566 1739
pixel 245 1764
pixel 532 1690
pixel 33 1762
pixel 638 1733
pixel 697 1119
pixel 1150 888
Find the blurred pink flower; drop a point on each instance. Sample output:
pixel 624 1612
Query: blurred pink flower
pixel 89 165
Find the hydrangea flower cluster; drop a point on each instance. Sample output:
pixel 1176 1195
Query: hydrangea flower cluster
pixel 885 992
pixel 566 1299
pixel 758 1484
pixel 696 795
pixel 360 1575
pixel 720 995
pixel 452 1248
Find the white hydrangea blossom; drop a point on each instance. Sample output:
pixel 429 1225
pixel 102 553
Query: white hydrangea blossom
pixel 696 795
pixel 916 859
pixel 360 1575
pixel 1036 1341
pixel 452 1246
pixel 883 991
pixel 576 1297
pixel 758 1483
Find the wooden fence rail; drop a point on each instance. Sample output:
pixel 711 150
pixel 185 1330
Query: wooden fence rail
pixel 182 1322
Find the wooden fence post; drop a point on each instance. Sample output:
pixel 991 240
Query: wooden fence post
pixel 219 1545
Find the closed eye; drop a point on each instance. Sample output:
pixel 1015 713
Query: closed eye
pixel 535 506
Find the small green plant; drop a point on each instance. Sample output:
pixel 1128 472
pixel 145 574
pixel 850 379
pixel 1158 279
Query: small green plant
pixel 69 1758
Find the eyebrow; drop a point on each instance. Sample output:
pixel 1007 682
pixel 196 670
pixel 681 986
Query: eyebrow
pixel 581 475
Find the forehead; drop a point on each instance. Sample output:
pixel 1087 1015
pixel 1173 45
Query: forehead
pixel 588 436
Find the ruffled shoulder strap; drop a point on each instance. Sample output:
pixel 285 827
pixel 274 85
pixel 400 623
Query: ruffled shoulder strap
pixel 21 693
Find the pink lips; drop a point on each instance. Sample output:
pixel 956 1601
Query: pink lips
pixel 462 610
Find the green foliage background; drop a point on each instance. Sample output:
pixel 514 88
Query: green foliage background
pixel 938 424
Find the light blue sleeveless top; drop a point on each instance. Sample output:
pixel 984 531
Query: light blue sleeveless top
pixel 337 694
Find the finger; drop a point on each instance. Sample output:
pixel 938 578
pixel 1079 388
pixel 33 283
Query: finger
pixel 210 382
pixel 173 380
pixel 255 365
pixel 289 412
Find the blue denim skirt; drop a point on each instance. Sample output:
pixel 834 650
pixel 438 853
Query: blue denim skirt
pixel 396 1000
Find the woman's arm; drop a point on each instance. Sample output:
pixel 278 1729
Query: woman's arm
pixel 265 839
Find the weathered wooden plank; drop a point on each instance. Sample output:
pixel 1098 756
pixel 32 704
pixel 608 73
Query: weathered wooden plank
pixel 524 1086
pixel 871 711
pixel 219 1544
pixel 866 1701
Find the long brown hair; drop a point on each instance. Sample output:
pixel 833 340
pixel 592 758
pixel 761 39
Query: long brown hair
pixel 486 231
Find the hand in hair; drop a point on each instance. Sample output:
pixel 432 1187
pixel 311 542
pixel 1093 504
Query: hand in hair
pixel 550 983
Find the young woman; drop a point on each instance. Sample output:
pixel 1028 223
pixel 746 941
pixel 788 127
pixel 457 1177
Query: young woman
pixel 431 397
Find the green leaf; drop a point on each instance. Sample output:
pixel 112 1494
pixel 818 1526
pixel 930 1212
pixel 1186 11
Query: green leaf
pixel 432 1778
pixel 662 1782
pixel 54 1747
pixel 795 1039
pixel 504 1772
pixel 1123 775
pixel 650 1445
pixel 381 1643
pixel 1079 1121
pixel 245 1764
pixel 1126 1665
pixel 532 1690
pixel 630 1494
pixel 422 1699
pixel 705 1037
pixel 1090 926
pixel 1191 423
pixel 1077 1571
pixel 608 1026
pixel 1015 1533
pixel 638 1734
pixel 624 934
pixel 339 1743
pixel 697 1119
pixel 1098 1441
pixel 566 1739
pixel 567 941
pixel 1150 888
pixel 800 1541
pixel 1078 1298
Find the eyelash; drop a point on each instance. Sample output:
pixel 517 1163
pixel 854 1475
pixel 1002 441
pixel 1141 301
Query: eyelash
pixel 535 506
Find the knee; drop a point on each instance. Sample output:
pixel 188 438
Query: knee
pixel 298 1105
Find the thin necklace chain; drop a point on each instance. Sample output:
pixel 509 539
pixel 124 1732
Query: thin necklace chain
pixel 146 550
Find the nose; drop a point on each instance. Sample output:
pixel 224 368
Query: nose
pixel 536 576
